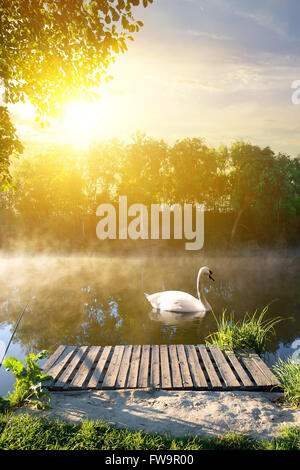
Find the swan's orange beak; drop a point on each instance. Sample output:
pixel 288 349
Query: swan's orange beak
pixel 210 276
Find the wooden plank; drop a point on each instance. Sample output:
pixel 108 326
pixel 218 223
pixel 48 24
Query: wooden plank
pixel 113 368
pixel 265 369
pixel 53 358
pixel 124 367
pixel 246 381
pixel 85 368
pixel 175 370
pixel 96 376
pixel 184 368
pixel 144 367
pixel 165 367
pixel 173 366
pixel 225 370
pixel 197 374
pixel 259 378
pixel 209 367
pixel 155 367
pixel 62 381
pixel 58 367
pixel 134 367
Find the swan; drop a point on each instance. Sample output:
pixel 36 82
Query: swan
pixel 174 318
pixel 178 301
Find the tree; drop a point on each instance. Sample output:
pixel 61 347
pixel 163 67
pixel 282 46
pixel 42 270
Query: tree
pixel 52 50
pixel 258 179
pixel 192 172
pixel 9 146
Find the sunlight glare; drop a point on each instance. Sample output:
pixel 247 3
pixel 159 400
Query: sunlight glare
pixel 82 121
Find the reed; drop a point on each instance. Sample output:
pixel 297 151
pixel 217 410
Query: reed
pixel 288 373
pixel 250 333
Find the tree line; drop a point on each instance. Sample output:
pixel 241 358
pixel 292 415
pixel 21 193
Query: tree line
pixel 249 193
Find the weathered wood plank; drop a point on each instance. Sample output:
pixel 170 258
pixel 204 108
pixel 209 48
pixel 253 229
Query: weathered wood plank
pixel 175 370
pixel 225 370
pixel 58 367
pixel 259 378
pixel 173 366
pixel 184 368
pixel 165 367
pixel 265 369
pixel 155 367
pixel 53 358
pixel 62 381
pixel 197 374
pixel 124 367
pixel 134 367
pixel 246 381
pixel 144 367
pixel 113 368
pixel 97 374
pixel 85 368
pixel 209 367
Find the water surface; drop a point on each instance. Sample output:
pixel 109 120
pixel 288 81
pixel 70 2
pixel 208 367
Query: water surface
pixel 84 300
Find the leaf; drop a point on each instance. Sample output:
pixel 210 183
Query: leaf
pixel 14 365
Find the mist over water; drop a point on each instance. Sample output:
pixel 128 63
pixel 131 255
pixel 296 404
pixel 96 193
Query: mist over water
pixel 85 300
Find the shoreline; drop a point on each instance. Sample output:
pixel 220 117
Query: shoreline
pixel 176 413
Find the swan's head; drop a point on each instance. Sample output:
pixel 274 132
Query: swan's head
pixel 205 271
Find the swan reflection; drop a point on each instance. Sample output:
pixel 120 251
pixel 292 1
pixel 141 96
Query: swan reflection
pixel 174 318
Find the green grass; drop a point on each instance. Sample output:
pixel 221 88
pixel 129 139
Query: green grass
pixel 250 333
pixel 288 372
pixel 25 432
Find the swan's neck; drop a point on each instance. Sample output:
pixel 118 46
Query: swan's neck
pixel 201 293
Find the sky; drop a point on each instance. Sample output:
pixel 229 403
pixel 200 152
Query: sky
pixel 221 70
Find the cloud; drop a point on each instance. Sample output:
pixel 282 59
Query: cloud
pixel 208 35
pixel 266 21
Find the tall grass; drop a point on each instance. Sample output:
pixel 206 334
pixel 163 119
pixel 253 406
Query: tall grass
pixel 24 432
pixel 288 373
pixel 252 332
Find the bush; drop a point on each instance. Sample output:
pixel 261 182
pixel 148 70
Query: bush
pixel 29 387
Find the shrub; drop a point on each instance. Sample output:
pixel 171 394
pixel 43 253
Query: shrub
pixel 29 387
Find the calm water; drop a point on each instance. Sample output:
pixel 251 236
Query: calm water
pixel 100 301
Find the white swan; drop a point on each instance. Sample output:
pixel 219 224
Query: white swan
pixel 177 301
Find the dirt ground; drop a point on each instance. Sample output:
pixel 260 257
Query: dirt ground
pixel 177 413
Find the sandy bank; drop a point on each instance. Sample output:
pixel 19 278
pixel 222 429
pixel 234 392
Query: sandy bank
pixel 177 413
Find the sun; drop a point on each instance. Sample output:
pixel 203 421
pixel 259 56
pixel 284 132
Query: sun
pixel 80 121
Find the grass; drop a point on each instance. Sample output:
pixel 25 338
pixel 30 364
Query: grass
pixel 288 372
pixel 25 432
pixel 250 333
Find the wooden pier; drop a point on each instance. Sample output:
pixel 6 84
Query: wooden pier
pixel 169 367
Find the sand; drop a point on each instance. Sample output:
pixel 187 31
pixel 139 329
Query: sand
pixel 177 413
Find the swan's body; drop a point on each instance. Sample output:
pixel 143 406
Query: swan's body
pixel 178 301
pixel 174 318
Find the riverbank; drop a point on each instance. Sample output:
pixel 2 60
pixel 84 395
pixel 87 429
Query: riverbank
pixel 176 413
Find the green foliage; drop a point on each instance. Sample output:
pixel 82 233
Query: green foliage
pixel 288 372
pixel 4 403
pixel 31 433
pixel 252 332
pixel 63 189
pixel 29 387
pixel 9 146
pixel 51 51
